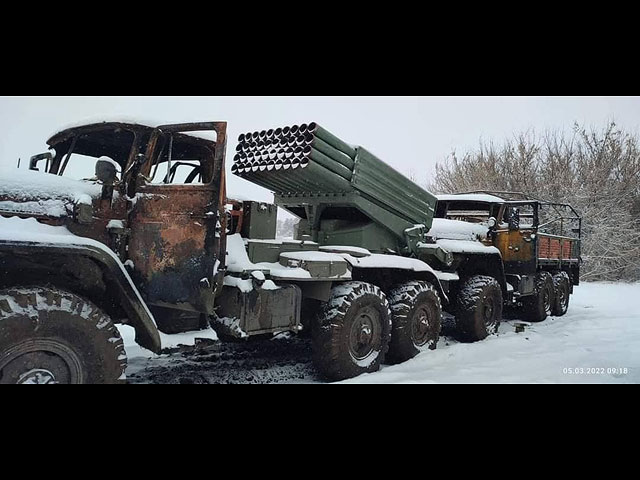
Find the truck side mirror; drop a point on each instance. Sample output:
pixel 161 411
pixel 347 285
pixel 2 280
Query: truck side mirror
pixel 33 162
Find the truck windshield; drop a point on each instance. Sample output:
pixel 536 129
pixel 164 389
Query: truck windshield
pixel 473 212
pixel 76 157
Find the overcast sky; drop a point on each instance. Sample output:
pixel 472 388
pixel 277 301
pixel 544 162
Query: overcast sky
pixel 409 133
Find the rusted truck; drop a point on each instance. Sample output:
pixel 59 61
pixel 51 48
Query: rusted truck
pixel 149 238
pixel 539 244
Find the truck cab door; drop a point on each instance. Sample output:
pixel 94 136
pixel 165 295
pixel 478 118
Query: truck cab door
pixel 176 242
pixel 515 237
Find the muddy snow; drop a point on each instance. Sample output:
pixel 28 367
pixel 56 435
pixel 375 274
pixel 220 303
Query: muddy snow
pixel 597 341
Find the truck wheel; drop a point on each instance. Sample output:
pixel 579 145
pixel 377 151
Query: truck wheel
pixel 352 332
pixel 52 336
pixel 538 307
pixel 416 315
pixel 562 291
pixel 479 308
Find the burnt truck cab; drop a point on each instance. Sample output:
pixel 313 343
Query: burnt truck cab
pixel 533 236
pixel 153 195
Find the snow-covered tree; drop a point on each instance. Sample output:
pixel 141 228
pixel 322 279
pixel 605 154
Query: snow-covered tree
pixel 595 170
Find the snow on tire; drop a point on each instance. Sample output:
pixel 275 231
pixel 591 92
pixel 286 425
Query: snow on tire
pixel 49 335
pixel 352 332
pixel 416 320
pixel 562 290
pixel 479 308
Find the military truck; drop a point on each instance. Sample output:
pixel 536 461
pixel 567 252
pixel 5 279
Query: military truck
pixel 149 238
pixel 539 244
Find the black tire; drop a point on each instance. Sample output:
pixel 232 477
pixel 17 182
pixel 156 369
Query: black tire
pixel 352 331
pixel 562 291
pixel 416 318
pixel 538 306
pixel 52 336
pixel 478 308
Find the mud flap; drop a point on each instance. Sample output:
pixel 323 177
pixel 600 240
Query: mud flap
pixel 259 311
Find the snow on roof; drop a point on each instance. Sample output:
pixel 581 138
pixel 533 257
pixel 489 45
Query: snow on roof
pixel 471 197
pixel 146 122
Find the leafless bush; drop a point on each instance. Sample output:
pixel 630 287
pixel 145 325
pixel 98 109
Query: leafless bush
pixel 597 171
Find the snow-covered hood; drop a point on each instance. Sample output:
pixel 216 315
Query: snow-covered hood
pixel 36 193
pixel 456 230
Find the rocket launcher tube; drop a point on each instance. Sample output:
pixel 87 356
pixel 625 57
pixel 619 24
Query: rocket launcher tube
pixel 332 140
pixel 328 163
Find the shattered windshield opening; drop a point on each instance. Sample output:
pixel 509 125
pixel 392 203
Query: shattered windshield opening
pixel 76 157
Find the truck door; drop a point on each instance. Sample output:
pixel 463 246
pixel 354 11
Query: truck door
pixel 176 244
pixel 515 237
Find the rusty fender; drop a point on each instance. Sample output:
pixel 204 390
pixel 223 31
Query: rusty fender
pixel 120 289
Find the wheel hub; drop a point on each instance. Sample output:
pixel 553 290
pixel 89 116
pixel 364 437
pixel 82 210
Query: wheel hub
pixel 488 312
pixel 37 376
pixel 40 362
pixel 563 295
pixel 547 300
pixel 421 327
pixel 364 334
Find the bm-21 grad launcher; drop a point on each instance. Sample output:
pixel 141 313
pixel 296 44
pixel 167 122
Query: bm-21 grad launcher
pixel 344 194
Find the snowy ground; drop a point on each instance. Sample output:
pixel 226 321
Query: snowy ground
pixel 600 333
